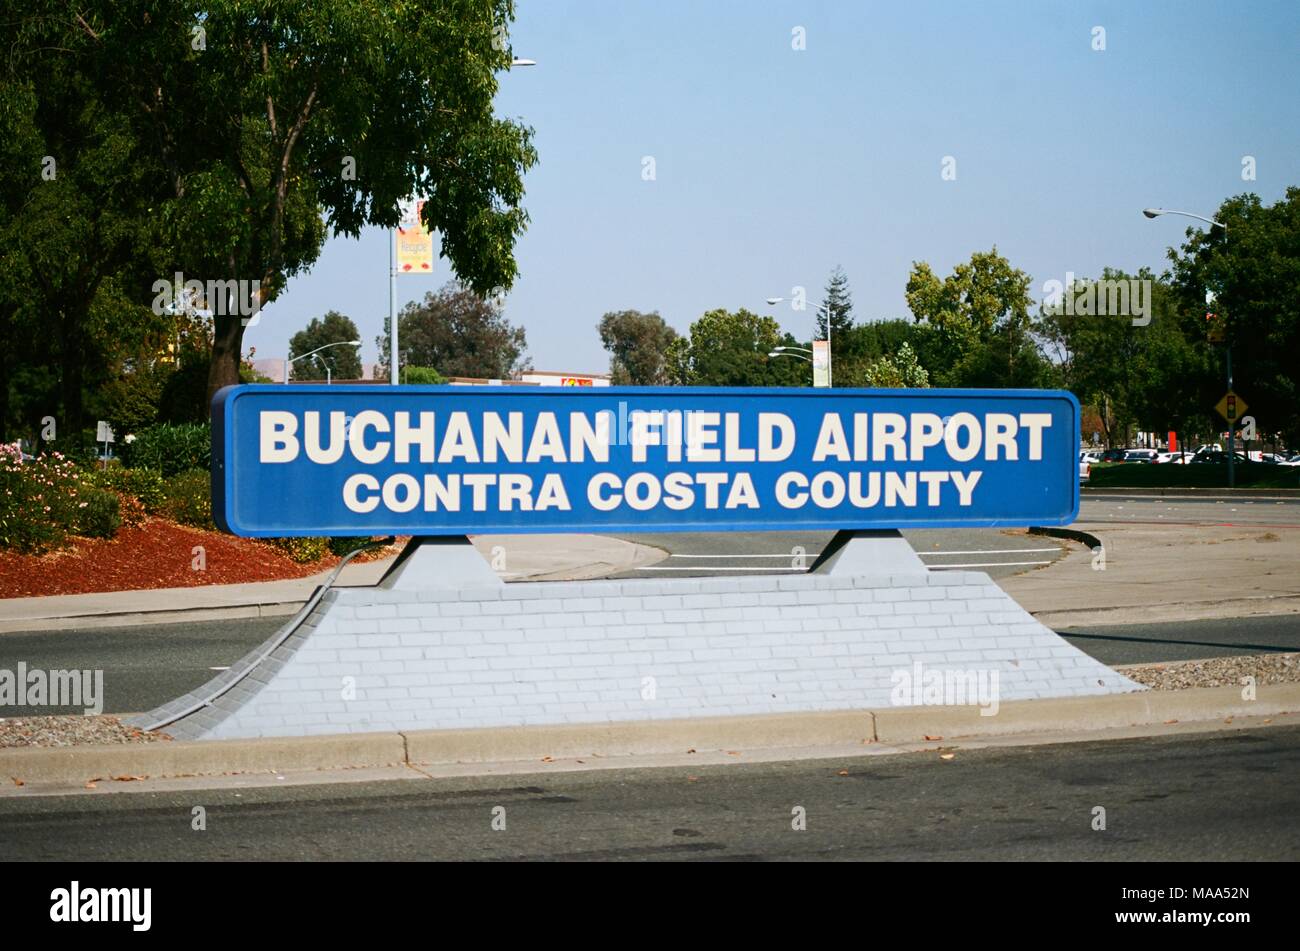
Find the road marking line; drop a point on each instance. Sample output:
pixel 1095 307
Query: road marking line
pixel 990 551
pixel 784 554
pixel 717 568
pixel 218 668
pixel 989 564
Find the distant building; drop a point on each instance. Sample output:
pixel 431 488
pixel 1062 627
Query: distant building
pixel 549 378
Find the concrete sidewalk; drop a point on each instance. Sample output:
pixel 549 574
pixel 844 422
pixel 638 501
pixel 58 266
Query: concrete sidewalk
pixel 1165 572
pixel 515 557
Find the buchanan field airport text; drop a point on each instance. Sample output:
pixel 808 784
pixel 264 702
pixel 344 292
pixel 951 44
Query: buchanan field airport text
pixel 372 437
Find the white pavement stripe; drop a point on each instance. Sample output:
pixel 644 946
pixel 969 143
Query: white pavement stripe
pixel 717 568
pixel 988 564
pixel 990 551
pixel 784 554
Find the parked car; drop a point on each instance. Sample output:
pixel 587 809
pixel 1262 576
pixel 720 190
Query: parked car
pixel 1217 458
pixel 1085 467
pixel 1141 455
pixel 1114 455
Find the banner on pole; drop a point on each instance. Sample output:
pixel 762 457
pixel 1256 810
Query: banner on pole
pixel 414 240
pixel 821 361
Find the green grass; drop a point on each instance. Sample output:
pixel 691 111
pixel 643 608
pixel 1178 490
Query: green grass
pixel 1253 475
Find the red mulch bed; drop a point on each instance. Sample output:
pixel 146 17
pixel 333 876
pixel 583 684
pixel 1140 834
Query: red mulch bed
pixel 157 554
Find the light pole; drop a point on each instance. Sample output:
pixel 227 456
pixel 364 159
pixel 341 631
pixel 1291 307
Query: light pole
pixel 288 362
pixel 830 381
pixel 393 376
pixel 1232 423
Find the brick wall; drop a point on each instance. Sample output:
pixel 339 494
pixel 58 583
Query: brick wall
pixel 587 652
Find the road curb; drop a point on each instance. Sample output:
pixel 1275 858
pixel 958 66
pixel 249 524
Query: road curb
pixel 75 766
pixel 82 622
pixel 1190 493
pixel 1071 534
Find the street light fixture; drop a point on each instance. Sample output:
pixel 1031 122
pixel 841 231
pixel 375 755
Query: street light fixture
pixel 338 343
pixel 1232 423
pixel 829 378
pixel 1157 212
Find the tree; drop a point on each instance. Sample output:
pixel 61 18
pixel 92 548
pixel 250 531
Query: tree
pixel 864 344
pixel 1144 374
pixel 342 362
pixel 978 332
pixel 422 376
pixel 731 349
pixel 78 186
pixel 836 306
pixel 459 333
pixel 271 117
pixel 638 344
pixel 1253 270
pixel 897 370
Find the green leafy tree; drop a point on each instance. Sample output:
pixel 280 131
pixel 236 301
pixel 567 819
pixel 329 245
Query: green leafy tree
pixel 460 333
pixel 277 121
pixel 978 332
pixel 1150 375
pixel 78 190
pixel 422 376
pixel 638 344
pixel 339 363
pixel 1253 269
pixel 865 344
pixel 727 348
pixel 896 370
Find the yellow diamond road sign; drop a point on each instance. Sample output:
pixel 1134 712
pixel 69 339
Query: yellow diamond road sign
pixel 1231 407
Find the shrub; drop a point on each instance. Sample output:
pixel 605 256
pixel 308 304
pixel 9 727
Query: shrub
pixel 39 500
pixel 189 499
pixel 98 514
pixel 422 376
pixel 146 485
pixel 131 510
pixel 345 545
pixel 302 550
pixel 169 449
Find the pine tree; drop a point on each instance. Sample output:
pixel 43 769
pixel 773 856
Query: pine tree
pixel 837 304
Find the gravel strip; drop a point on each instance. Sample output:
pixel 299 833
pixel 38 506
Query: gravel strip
pixel 71 731
pixel 1217 671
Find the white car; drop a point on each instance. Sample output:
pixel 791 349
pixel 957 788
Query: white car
pixel 1085 467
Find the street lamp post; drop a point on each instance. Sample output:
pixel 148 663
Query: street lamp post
pixel 1232 423
pixel 393 375
pixel 290 361
pixel 830 380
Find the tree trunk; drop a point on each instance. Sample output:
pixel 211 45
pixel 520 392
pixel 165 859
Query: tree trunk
pixel 71 370
pixel 227 347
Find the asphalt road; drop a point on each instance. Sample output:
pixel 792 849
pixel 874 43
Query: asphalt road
pixel 999 552
pixel 1137 508
pixel 1225 796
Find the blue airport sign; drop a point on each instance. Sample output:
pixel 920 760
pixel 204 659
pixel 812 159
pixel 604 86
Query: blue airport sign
pixel 452 460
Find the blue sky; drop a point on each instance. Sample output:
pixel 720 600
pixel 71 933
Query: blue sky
pixel 773 165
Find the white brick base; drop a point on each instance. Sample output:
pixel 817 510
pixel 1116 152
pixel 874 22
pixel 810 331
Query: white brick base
pixel 589 652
